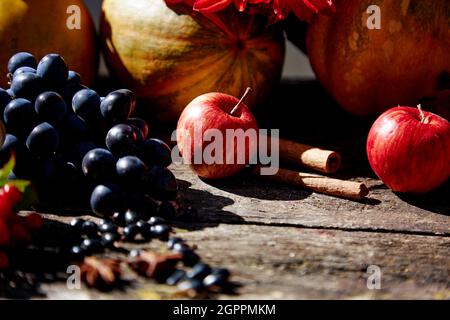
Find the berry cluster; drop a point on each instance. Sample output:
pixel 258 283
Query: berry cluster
pixel 78 147
pixel 14 229
pixel 96 238
pixel 130 228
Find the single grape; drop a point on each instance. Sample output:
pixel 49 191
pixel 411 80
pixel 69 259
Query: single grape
pixel 131 217
pixel 176 277
pixel 130 232
pixel 10 145
pixel 108 239
pixel 77 253
pixel 214 280
pixel 119 218
pixel 140 124
pixel 144 229
pixel 99 165
pixel 106 200
pixel 23 70
pixel 221 272
pixel 131 96
pixel 25 164
pixel 131 170
pixel 160 231
pixel 27 85
pixel 21 59
pixel 20 117
pixel 86 104
pixel 77 224
pixel 43 139
pixel 53 70
pixel 73 78
pixel 92 246
pixel 190 258
pixel 161 183
pixel 116 107
pixel 155 152
pixel 199 271
pixel 173 240
pixel 69 91
pixel 108 227
pixel 121 140
pixel 50 107
pixel 89 229
pixel 5 98
pixel 154 221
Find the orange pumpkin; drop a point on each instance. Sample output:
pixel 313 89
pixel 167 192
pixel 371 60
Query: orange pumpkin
pixel 369 71
pixel 40 27
pixel 170 55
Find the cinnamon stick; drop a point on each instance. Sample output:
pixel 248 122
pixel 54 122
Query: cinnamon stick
pixel 325 161
pixel 318 183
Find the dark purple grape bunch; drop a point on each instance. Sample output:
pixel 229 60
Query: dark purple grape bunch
pixel 77 147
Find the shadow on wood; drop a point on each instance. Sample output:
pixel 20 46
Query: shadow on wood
pixel 210 207
pixel 249 186
pixel 437 201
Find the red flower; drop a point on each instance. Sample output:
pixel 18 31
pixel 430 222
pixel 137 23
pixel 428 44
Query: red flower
pixel 209 6
pixel 279 9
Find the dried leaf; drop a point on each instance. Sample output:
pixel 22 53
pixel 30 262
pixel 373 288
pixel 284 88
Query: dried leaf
pixel 101 273
pixel 155 266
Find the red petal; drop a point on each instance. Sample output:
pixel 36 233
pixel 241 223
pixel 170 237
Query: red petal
pixel 280 8
pixel 304 9
pixel 172 2
pixel 240 4
pixel 209 6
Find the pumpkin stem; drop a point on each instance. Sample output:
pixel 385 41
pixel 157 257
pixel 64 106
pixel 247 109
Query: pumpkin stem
pixel 423 119
pixel 247 91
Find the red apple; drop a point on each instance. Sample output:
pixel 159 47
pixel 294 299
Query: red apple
pixel 409 149
pixel 215 114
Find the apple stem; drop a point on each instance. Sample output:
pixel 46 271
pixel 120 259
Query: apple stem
pixel 247 91
pixel 423 119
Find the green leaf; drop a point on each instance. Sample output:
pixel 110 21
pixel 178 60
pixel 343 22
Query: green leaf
pixel 22 185
pixel 6 171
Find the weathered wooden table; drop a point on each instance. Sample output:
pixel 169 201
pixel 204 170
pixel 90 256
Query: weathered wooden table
pixel 285 243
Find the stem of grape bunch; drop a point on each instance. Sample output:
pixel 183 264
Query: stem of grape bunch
pixel 247 91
